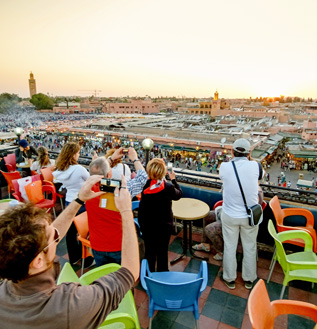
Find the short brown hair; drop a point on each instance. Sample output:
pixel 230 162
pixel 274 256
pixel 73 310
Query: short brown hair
pixel 66 157
pixel 156 169
pixel 114 162
pixel 22 237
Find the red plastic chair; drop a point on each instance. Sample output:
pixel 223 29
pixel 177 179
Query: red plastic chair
pixel 81 223
pixel 262 312
pixel 10 161
pixel 10 176
pixel 46 189
pixel 47 174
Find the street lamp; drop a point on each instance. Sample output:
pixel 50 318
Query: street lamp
pixel 147 144
pixel 18 131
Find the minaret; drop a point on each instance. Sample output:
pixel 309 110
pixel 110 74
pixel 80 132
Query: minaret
pixel 216 96
pixel 32 85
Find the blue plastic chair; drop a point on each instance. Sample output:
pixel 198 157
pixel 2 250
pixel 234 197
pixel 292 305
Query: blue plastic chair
pixel 135 205
pixel 173 291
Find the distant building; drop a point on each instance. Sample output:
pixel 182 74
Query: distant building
pixel 134 106
pixel 32 85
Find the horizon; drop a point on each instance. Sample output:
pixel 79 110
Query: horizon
pixel 242 49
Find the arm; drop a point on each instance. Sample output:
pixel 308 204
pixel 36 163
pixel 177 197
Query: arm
pixel 135 185
pixel 63 221
pixel 130 246
pixel 177 192
pixel 133 156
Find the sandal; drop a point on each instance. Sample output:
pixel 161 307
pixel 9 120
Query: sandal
pixel 201 247
pixel 217 256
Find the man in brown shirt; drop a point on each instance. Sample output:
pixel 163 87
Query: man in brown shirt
pixel 29 296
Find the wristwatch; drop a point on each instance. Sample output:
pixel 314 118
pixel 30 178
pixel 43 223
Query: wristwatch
pixel 81 202
pixel 136 160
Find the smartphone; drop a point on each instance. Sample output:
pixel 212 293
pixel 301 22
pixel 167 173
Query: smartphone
pixel 125 151
pixel 109 185
pixel 169 167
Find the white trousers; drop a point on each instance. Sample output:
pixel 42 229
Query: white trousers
pixel 231 228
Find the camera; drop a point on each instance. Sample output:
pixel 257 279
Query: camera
pixel 125 151
pixel 169 167
pixel 109 185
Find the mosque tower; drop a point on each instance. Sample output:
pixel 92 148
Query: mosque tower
pixel 32 85
pixel 216 96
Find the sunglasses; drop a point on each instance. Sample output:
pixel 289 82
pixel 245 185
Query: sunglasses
pixel 56 239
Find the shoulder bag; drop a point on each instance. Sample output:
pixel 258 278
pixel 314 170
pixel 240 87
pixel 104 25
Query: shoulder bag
pixel 254 212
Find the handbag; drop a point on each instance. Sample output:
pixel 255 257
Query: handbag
pixel 34 192
pixel 254 212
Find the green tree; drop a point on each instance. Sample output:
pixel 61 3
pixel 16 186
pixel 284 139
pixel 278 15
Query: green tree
pixel 42 102
pixel 8 101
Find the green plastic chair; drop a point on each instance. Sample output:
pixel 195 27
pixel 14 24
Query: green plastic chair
pixel 297 266
pixel 125 316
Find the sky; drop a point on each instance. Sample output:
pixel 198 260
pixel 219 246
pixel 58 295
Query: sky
pixel 243 49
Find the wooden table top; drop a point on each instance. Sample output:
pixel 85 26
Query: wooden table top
pixel 190 209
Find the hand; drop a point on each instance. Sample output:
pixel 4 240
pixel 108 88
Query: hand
pixel 117 154
pixel 172 175
pixel 122 196
pixel 132 154
pixel 85 193
pixel 94 155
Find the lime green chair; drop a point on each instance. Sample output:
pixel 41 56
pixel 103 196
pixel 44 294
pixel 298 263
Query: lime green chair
pixel 299 265
pixel 125 316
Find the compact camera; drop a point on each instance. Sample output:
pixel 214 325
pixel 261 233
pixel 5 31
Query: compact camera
pixel 125 151
pixel 169 167
pixel 109 185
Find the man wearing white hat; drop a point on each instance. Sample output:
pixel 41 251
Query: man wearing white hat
pixel 234 217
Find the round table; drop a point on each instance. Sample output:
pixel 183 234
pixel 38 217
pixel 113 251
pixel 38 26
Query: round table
pixel 25 165
pixel 188 210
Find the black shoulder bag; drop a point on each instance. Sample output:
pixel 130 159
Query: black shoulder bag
pixel 254 212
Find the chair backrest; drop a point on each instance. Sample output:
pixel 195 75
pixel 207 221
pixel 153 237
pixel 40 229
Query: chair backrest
pixel 277 211
pixel 67 275
pixel 174 296
pixel 135 204
pixel 10 176
pixel 260 310
pixel 17 192
pixel 81 223
pixel 10 159
pixel 47 173
pixel 98 272
pixel 280 252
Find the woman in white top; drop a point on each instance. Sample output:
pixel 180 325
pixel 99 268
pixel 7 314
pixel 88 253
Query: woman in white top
pixel 42 161
pixel 72 176
pixel 118 168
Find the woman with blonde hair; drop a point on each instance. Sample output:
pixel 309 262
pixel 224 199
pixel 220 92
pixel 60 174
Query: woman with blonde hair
pixel 72 176
pixel 155 213
pixel 42 161
pixel 118 168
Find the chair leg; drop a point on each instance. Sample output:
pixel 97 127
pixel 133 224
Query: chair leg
pixel 197 324
pixel 282 292
pixel 82 266
pixel 273 257
pixel 271 271
pixel 54 212
pixel 61 200
pixel 150 324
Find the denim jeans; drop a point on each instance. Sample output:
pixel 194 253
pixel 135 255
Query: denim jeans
pixel 105 257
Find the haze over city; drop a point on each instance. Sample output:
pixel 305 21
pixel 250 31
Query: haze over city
pixel 160 48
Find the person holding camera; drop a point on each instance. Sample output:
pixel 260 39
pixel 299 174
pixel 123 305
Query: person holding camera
pixel 105 223
pixel 155 213
pixel 118 168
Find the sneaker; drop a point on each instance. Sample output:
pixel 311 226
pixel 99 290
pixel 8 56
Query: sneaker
pixel 248 284
pixel 230 284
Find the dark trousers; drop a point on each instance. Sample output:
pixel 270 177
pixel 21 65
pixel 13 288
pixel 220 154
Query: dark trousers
pixel 156 249
pixel 74 248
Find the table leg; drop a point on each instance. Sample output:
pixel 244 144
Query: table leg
pixel 190 242
pixel 184 243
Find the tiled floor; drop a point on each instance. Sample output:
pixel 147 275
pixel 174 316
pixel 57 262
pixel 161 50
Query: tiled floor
pixel 219 307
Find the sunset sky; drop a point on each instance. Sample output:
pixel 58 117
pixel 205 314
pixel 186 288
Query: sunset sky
pixel 160 47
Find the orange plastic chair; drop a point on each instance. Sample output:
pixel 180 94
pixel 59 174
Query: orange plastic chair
pixel 81 223
pixel 47 174
pixel 10 161
pixel 262 312
pixel 280 214
pixel 10 176
pixel 46 189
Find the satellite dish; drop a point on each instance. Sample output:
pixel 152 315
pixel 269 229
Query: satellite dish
pixel 223 140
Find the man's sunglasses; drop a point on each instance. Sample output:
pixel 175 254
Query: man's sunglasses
pixel 56 239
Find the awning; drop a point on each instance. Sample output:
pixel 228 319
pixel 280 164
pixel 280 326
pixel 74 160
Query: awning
pixel 304 183
pixel 304 154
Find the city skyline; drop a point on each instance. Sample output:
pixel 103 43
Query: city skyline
pixel 168 48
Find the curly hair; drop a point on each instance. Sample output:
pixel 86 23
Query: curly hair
pixel 43 158
pixel 156 169
pixel 66 157
pixel 22 236
pixel 114 162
